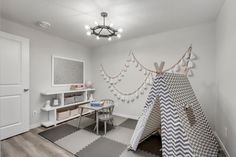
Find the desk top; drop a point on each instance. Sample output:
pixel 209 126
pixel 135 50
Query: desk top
pixel 96 108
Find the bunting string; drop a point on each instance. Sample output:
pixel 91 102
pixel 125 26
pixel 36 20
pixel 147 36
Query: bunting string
pixel 183 66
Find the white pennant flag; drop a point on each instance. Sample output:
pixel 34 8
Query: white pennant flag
pixel 177 68
pixel 193 56
pixel 190 64
pixel 137 95
pixel 183 62
pixel 190 73
pixel 187 55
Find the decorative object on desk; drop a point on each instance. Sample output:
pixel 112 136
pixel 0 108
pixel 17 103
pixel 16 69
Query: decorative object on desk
pixel 183 66
pixel 89 84
pixel 76 87
pixel 91 97
pixel 48 104
pixel 96 103
pixel 55 102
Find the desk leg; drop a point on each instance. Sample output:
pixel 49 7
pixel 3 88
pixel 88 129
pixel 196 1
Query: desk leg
pixel 81 114
pixel 97 122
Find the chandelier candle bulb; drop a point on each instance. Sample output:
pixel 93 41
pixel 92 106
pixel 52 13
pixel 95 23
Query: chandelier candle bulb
pixel 87 27
pixel 120 30
pixel 96 23
pixel 97 37
pixel 88 33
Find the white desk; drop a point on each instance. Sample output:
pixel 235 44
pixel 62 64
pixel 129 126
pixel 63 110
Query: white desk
pixel 96 109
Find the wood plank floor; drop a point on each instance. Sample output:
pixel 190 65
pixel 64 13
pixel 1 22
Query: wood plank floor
pixel 30 144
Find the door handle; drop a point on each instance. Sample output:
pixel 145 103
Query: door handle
pixel 26 90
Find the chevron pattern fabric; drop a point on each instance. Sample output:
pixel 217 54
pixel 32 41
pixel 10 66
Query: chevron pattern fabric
pixel 200 135
pixel 179 137
pixel 175 142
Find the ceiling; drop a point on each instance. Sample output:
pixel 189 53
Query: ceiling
pixel 136 17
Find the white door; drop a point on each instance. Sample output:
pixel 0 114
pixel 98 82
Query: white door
pixel 14 85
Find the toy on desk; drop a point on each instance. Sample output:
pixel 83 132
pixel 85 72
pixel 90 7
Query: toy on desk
pixel 96 103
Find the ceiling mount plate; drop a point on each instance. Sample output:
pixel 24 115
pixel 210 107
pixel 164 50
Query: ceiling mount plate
pixel 104 14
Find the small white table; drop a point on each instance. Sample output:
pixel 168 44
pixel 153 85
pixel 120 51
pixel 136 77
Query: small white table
pixel 96 109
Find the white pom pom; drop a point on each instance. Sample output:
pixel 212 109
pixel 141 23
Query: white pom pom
pixel 193 56
pixel 128 99
pixel 123 98
pixel 111 81
pixel 145 72
pixel 190 64
pixel 132 98
pixel 142 91
pixel 183 62
pixel 140 68
pixel 111 89
pixel 108 80
pixel 190 73
pixel 118 96
pixel 126 65
pixel 145 87
pixel 177 68
pixel 149 81
pixel 102 73
pixel 125 69
pixel 137 95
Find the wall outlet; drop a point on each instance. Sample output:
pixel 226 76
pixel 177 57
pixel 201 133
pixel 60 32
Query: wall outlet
pixel 226 132
pixel 35 113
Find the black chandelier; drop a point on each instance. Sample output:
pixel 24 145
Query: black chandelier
pixel 103 31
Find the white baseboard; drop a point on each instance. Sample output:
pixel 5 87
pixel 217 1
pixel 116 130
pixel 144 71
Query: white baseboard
pixel 35 125
pixel 126 116
pixel 222 144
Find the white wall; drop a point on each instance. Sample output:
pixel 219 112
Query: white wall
pixel 226 55
pixel 42 47
pixel 167 46
pixel 0 14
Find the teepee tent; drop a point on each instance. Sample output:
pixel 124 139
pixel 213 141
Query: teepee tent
pixel 173 108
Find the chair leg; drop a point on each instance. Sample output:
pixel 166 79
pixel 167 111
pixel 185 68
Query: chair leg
pixel 105 127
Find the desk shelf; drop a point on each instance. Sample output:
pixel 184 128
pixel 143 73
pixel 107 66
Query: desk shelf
pixel 52 111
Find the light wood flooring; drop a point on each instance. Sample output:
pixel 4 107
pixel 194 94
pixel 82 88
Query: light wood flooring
pixel 30 144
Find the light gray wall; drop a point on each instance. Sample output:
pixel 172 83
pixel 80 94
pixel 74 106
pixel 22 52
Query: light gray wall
pixel 0 14
pixel 226 55
pixel 42 47
pixel 167 46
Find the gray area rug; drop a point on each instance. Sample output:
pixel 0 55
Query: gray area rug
pixel 103 147
pixel 129 123
pixel 58 132
pixel 85 143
